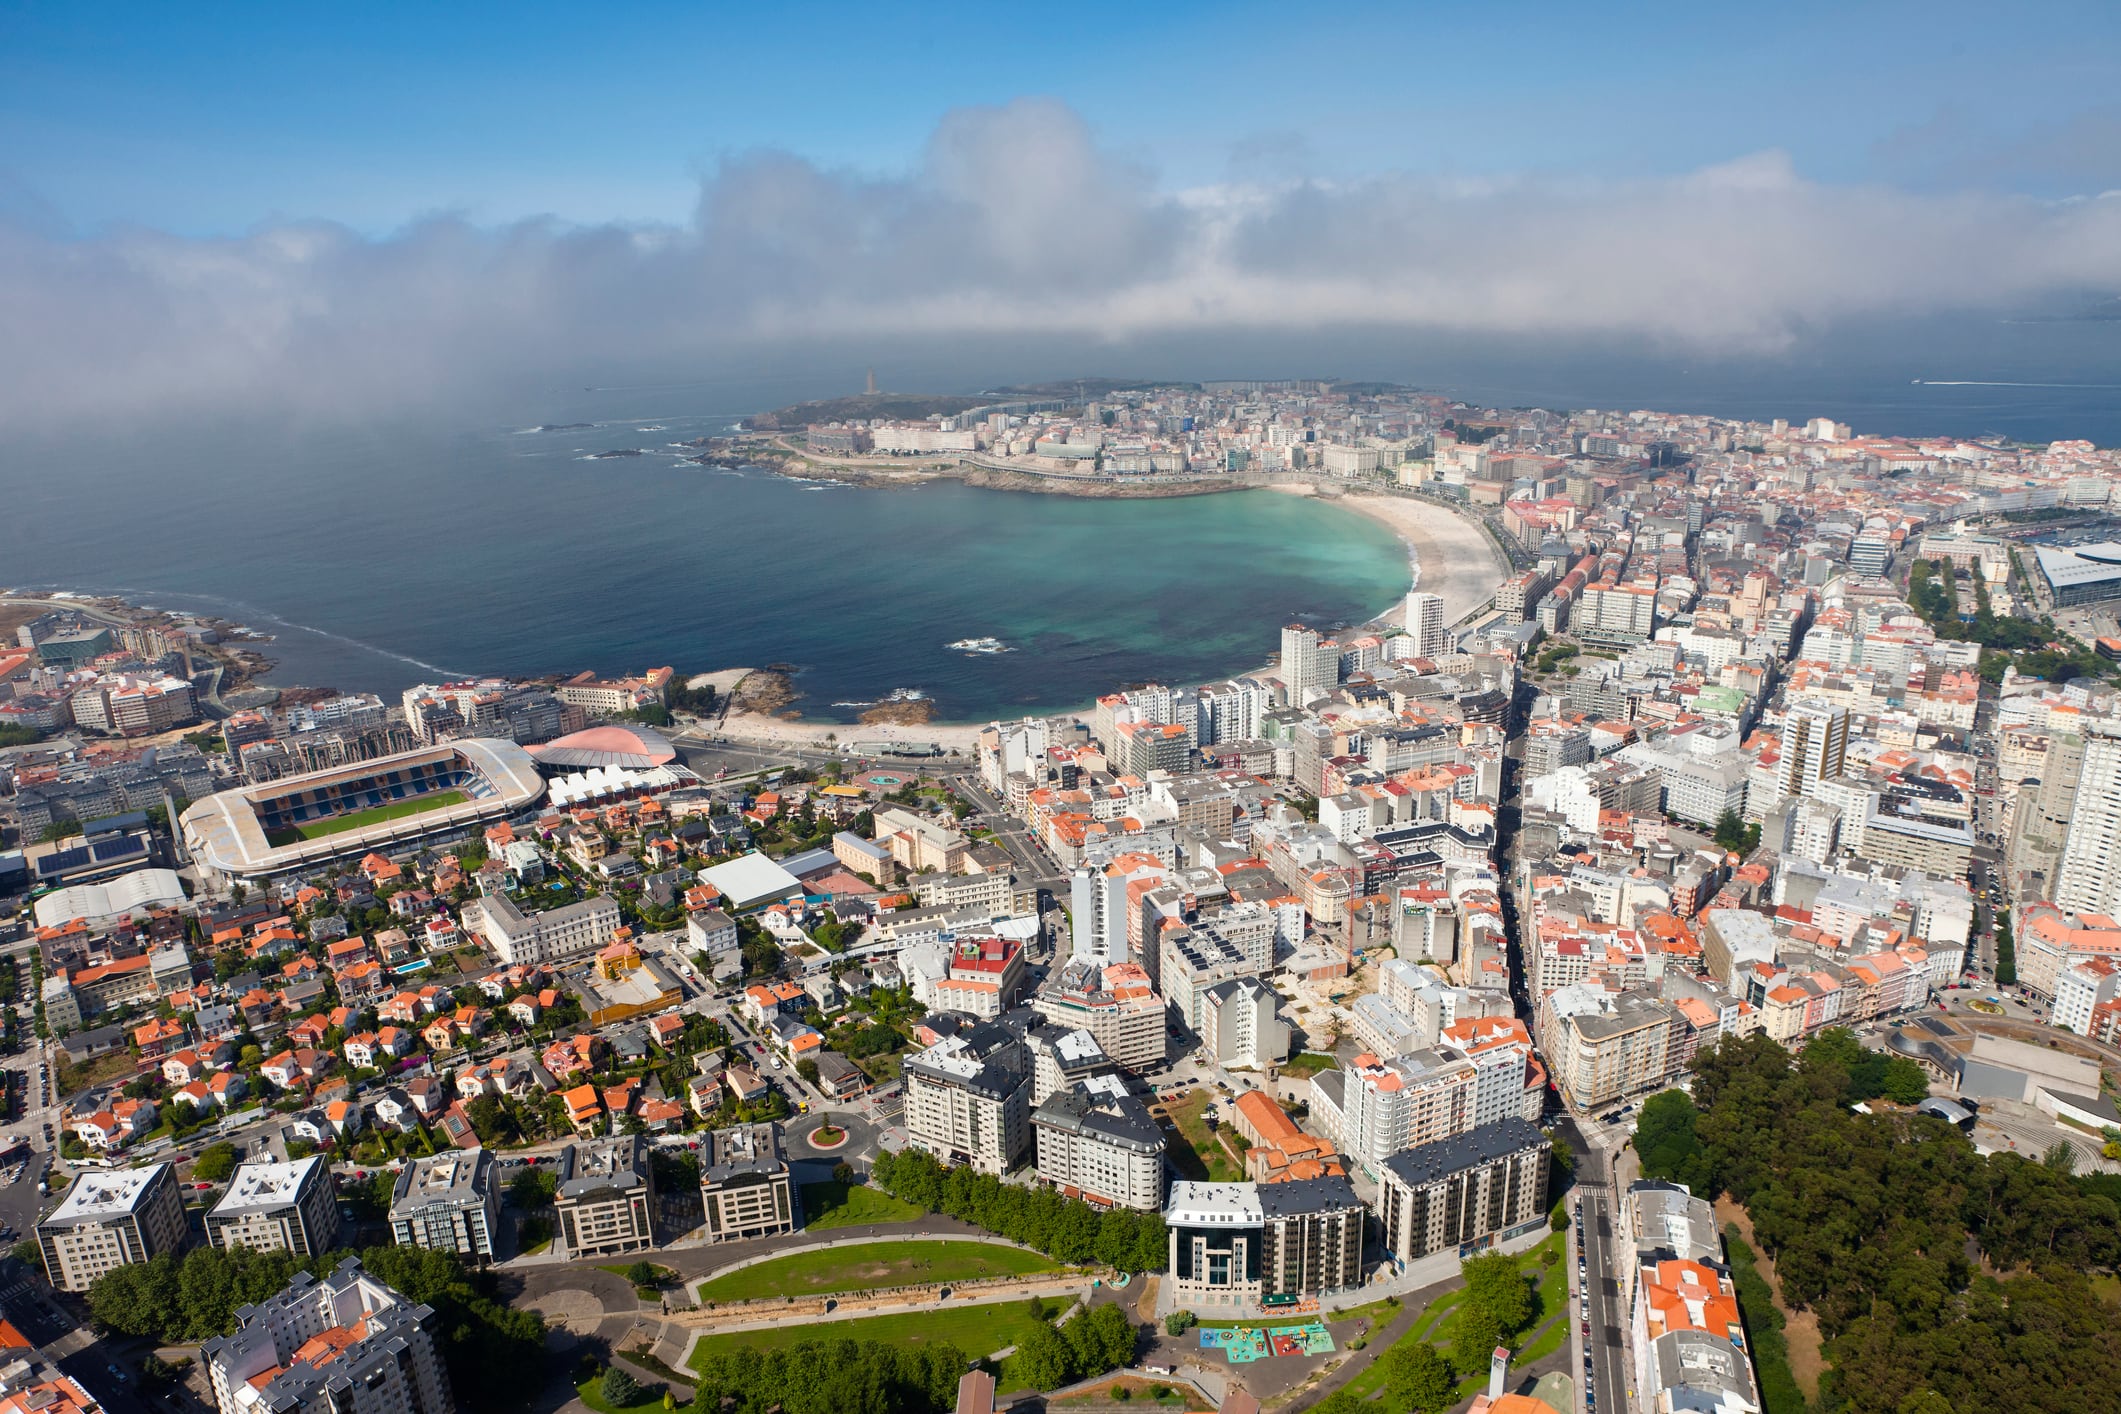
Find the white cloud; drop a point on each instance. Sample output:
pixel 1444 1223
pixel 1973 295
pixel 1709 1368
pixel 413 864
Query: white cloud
pixel 1012 222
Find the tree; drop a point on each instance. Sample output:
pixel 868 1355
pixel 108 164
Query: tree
pixel 1473 1340
pixel 1042 1358
pixel 1179 1322
pixel 843 1172
pixel 1666 1142
pixel 643 1273
pixel 1906 1083
pixel 807 1068
pixel 1099 1339
pixel 619 1388
pixel 533 1187
pixel 1730 831
pixel 215 1163
pixel 1418 1378
pixel 1496 1288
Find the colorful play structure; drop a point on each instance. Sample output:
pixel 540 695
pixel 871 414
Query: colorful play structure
pixel 1241 1345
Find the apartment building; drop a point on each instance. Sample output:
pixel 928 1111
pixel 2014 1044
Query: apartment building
pixel 2088 879
pixel 111 1218
pixel 968 1099
pixel 1604 1046
pixel 1472 1189
pixel 553 935
pixel 1099 1143
pixel 1241 1026
pixel 449 1202
pixel 1115 1004
pixel 606 1198
pixel 1193 961
pixel 745 1184
pixel 278 1207
pixel 1375 1108
pixel 1310 663
pixel 1249 1247
pixel 345 1345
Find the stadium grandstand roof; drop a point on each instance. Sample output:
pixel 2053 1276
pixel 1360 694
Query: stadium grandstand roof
pixel 634 748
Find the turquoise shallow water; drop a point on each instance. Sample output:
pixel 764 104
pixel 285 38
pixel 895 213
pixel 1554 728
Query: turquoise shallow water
pixel 384 557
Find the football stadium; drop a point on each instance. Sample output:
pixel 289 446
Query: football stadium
pixel 308 822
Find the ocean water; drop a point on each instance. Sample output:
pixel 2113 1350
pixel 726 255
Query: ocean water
pixel 384 556
pixel 395 548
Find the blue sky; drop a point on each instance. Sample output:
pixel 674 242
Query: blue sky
pixel 207 120
pixel 349 206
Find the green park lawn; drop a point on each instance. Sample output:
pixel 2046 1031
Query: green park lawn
pixel 976 1330
pixel 361 819
pixel 1309 1063
pixel 829 1205
pixel 870 1265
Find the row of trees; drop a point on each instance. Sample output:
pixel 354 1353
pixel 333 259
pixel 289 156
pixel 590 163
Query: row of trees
pixel 1932 1270
pixel 1066 1229
pixel 832 1377
pixel 495 1355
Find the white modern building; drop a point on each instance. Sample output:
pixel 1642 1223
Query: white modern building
pixel 2089 877
pixel 278 1207
pixel 448 1202
pixel 111 1218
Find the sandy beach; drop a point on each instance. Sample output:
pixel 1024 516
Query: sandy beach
pixel 758 729
pixel 1453 553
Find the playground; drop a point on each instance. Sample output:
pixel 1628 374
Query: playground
pixel 1241 1345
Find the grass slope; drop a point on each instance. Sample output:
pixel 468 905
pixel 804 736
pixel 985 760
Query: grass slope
pixel 976 1330
pixel 870 1265
pixel 830 1205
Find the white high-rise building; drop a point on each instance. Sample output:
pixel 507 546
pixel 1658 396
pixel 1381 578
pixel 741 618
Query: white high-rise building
pixel 2089 878
pixel 1815 737
pixel 1425 623
pixel 1308 664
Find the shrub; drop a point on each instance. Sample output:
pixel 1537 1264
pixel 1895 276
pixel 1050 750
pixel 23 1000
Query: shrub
pixel 1179 1322
pixel 1123 1393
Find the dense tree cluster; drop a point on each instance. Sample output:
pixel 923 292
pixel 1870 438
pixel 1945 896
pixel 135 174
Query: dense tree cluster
pixel 1098 1340
pixel 832 1377
pixel 1063 1228
pixel 1931 1269
pixel 495 1355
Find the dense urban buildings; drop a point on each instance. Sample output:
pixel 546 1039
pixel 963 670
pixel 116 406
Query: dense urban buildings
pixel 1766 727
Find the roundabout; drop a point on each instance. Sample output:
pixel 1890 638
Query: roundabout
pixel 834 1136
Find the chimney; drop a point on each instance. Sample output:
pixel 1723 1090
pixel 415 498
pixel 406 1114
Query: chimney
pixel 1498 1372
